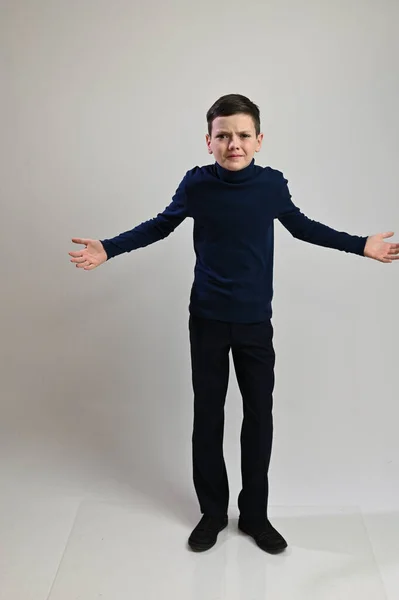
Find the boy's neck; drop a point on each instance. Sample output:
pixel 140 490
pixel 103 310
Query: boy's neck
pixel 236 176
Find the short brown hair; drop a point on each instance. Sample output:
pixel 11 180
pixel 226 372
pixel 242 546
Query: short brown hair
pixel 233 104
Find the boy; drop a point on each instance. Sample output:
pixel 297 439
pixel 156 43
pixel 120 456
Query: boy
pixel 233 204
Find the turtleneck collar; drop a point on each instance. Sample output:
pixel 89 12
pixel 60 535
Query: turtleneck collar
pixel 236 176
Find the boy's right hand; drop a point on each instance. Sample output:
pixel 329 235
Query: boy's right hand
pixel 90 257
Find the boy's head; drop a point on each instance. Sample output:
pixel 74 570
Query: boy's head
pixel 233 131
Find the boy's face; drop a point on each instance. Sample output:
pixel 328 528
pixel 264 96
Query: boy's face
pixel 234 141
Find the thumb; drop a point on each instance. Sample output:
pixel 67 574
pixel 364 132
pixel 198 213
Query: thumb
pixel 388 234
pixel 80 241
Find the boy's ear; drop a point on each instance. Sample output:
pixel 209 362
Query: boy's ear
pixel 208 141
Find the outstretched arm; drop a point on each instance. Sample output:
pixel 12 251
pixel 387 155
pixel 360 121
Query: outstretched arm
pixel 97 252
pixel 305 229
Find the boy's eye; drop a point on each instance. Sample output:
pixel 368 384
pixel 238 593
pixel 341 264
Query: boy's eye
pixel 222 135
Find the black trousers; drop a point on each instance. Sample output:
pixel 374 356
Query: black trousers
pixel 254 359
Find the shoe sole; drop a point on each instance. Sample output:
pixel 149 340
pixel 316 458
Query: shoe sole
pixel 276 550
pixel 203 547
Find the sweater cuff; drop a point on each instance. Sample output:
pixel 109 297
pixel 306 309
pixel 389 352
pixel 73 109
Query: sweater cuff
pixel 360 246
pixel 111 249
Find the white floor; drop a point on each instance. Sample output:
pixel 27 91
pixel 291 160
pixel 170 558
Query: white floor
pixel 60 545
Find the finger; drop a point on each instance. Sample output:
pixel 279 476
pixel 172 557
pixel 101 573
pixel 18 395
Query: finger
pixel 388 234
pixel 79 259
pixel 76 254
pixel 90 267
pixel 80 241
pixel 82 264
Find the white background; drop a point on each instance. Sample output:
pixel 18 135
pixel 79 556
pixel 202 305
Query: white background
pixel 102 112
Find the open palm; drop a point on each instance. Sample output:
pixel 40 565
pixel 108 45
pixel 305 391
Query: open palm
pixel 90 257
pixel 379 250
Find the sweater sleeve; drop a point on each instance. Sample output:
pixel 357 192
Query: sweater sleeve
pixel 307 230
pixel 153 230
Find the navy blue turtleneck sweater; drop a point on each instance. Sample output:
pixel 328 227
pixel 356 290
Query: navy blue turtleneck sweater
pixel 233 214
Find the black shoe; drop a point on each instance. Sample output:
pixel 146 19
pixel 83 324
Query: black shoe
pixel 205 534
pixel 267 538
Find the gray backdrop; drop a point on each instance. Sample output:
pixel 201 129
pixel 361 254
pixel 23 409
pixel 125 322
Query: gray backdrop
pixel 103 111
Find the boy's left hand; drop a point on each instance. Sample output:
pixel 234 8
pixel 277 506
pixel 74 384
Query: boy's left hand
pixel 379 250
